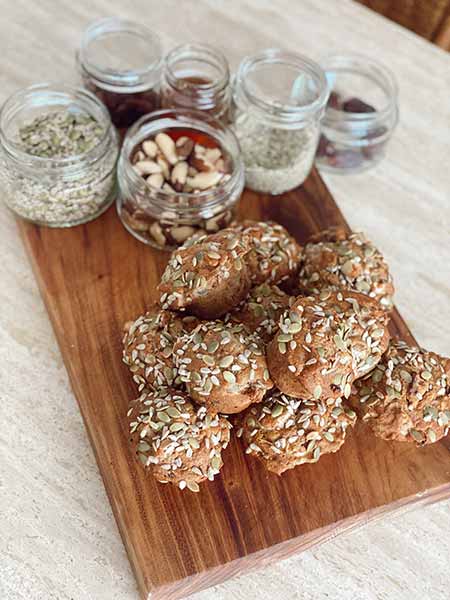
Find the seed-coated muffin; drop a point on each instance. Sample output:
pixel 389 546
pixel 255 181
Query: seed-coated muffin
pixel 407 396
pixel 180 443
pixel 208 275
pixel 275 254
pixel 284 432
pixel 148 343
pixel 335 260
pixel 325 342
pixel 262 309
pixel 223 365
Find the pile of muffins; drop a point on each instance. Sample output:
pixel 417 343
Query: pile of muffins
pixel 289 343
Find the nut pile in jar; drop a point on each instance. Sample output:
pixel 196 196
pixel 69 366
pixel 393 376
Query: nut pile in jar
pixel 350 156
pixel 182 161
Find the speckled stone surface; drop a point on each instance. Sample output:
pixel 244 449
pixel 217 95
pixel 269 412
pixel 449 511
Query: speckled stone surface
pixel 58 538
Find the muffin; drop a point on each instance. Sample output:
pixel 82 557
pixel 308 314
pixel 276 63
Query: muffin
pixel 284 432
pixel 274 256
pixel 407 396
pixel 148 343
pixel 326 342
pixel 176 441
pixel 208 275
pixel 223 366
pixel 335 260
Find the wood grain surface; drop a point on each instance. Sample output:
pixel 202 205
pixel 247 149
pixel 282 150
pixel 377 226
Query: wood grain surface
pixel 95 277
pixel 428 18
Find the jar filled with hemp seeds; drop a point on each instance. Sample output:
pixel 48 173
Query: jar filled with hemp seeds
pixel 279 100
pixel 197 77
pixel 58 153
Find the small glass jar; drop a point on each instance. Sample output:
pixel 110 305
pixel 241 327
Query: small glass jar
pixel 197 76
pixel 120 62
pixel 361 114
pixel 279 99
pixel 58 189
pixel 164 218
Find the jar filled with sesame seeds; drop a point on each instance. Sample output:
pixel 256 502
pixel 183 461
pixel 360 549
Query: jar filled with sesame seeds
pixel 58 152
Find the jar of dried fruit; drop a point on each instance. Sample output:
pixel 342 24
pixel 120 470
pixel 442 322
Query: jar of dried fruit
pixel 197 76
pixel 361 114
pixel 120 62
pixel 279 99
pixel 178 175
pixel 58 153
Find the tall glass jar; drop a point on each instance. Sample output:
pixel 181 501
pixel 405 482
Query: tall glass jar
pixel 279 100
pixel 58 153
pixel 197 76
pixel 161 216
pixel 120 62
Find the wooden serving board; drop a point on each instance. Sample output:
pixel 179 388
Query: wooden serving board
pixel 95 277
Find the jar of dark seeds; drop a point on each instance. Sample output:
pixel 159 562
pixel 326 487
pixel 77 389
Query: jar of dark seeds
pixel 279 99
pixel 178 175
pixel 120 62
pixel 361 114
pixel 197 76
pixel 58 152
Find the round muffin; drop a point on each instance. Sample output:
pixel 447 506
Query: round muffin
pixel 262 309
pixel 284 432
pixel 274 256
pixel 208 275
pixel 177 441
pixel 325 342
pixel 407 396
pixel 335 260
pixel 222 366
pixel 148 343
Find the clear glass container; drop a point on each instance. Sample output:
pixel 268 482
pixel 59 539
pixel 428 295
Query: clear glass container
pixel 361 114
pixel 166 218
pixel 49 189
pixel 197 76
pixel 279 99
pixel 120 62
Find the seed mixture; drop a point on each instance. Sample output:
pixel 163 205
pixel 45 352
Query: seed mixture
pixel 61 196
pixel 180 443
pixel 177 165
pixel 407 396
pixel 337 260
pixel 284 432
pixel 223 366
pixel 275 159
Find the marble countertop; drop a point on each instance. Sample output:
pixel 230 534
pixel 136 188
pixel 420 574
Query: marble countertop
pixel 58 538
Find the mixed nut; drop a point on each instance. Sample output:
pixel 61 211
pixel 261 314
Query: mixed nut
pixel 181 165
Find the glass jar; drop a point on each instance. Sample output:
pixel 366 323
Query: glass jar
pixel 58 152
pixel 361 115
pixel 197 76
pixel 164 218
pixel 120 62
pixel 279 99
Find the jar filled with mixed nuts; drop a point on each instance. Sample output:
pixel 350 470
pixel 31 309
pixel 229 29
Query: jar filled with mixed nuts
pixel 197 76
pixel 58 153
pixel 178 175
pixel 120 62
pixel 279 99
pixel 361 114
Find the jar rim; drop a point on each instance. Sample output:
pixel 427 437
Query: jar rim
pixel 205 52
pixel 133 79
pixel 368 67
pixel 189 119
pixel 31 95
pixel 287 113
